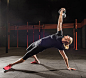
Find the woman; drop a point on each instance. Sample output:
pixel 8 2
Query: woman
pixel 56 40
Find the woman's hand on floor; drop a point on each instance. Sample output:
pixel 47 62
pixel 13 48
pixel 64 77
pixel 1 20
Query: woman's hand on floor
pixel 71 68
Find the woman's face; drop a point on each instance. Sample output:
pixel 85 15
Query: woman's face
pixel 66 39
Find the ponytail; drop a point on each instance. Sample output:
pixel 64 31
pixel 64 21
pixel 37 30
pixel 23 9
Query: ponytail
pixel 66 46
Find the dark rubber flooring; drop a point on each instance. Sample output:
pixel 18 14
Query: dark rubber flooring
pixel 52 64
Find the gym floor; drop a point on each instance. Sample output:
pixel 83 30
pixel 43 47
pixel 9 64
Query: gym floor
pixel 52 64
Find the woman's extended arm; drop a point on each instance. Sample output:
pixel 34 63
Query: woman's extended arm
pixel 66 59
pixel 60 20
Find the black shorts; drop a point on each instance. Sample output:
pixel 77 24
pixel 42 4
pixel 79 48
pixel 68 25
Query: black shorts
pixel 32 50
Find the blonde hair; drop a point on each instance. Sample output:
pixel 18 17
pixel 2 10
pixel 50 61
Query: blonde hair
pixel 70 42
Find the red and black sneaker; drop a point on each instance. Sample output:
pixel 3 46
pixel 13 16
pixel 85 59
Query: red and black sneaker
pixel 35 62
pixel 7 67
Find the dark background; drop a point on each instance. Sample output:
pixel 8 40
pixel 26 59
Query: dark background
pixel 46 11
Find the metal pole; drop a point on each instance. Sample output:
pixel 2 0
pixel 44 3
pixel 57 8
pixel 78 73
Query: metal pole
pixel 76 33
pixel 9 36
pixel 74 36
pixel 7 28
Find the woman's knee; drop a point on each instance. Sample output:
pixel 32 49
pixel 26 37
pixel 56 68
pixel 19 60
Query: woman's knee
pixel 22 60
pixel 30 47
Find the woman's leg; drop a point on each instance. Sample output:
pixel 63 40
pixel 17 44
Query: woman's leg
pixel 30 53
pixel 17 62
pixel 34 56
pixel 21 59
pixel 10 65
pixel 36 60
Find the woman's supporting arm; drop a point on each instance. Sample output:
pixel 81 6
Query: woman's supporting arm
pixel 66 59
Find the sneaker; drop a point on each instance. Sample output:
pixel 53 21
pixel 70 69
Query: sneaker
pixel 7 67
pixel 35 62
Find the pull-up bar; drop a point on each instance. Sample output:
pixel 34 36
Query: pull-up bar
pixel 76 32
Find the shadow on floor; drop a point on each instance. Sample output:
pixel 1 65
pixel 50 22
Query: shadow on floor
pixel 57 72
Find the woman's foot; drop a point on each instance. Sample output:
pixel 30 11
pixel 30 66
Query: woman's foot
pixel 35 62
pixel 8 67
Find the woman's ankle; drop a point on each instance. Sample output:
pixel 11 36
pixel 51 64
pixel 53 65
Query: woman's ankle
pixel 11 64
